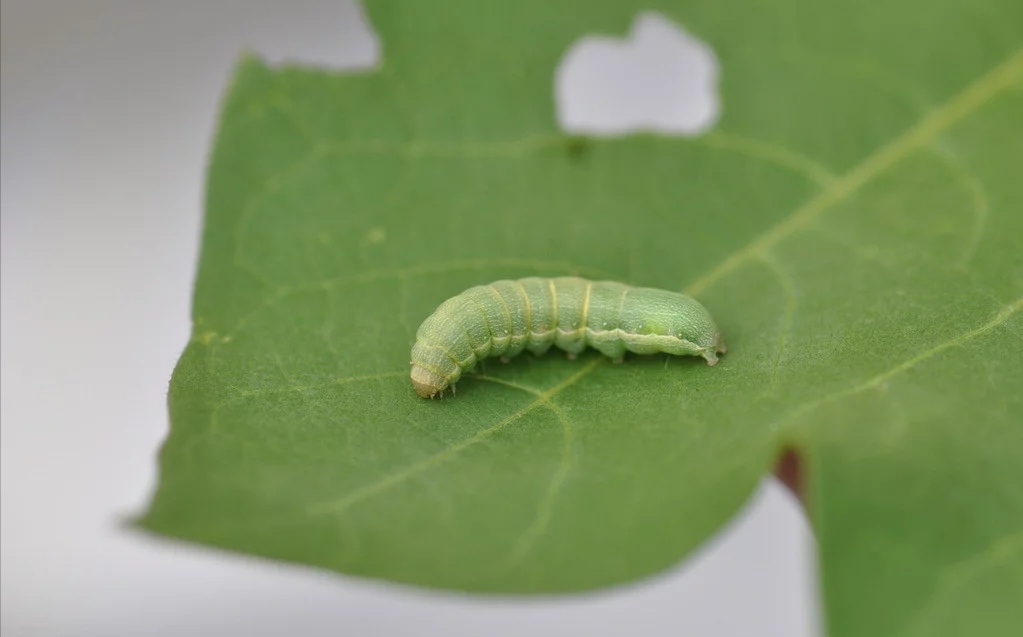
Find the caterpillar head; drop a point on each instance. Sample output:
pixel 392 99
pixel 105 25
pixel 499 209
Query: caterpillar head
pixel 427 383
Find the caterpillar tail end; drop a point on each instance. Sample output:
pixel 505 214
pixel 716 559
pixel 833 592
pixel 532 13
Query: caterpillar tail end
pixel 426 383
pixel 711 353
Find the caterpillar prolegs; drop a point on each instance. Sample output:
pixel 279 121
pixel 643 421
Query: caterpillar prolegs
pixel 506 317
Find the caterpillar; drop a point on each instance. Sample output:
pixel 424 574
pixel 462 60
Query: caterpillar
pixel 505 318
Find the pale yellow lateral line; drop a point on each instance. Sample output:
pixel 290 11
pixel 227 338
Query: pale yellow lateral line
pixel 529 310
pixel 554 302
pixel 486 319
pixel 621 307
pixel 586 307
pixel 973 97
pixel 507 310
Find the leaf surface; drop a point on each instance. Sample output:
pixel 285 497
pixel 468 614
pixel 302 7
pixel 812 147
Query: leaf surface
pixel 854 222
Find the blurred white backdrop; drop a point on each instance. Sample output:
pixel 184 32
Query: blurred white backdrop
pixel 108 109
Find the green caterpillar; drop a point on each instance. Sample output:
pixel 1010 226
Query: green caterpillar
pixel 506 317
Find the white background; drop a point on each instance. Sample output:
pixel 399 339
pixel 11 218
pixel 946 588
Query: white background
pixel 108 112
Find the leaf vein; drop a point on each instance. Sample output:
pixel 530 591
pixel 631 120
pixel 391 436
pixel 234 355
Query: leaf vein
pixel 960 575
pixel 928 128
pixel 535 530
pixel 981 206
pixel 770 152
pixel 788 292
pixel 340 505
pixel 908 364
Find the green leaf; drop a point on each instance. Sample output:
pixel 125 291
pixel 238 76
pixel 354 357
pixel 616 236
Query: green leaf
pixel 854 222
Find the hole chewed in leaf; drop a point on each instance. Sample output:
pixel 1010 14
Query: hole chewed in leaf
pixel 658 79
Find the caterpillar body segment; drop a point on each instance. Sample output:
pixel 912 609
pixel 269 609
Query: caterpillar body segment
pixel 505 318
